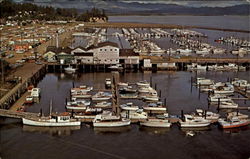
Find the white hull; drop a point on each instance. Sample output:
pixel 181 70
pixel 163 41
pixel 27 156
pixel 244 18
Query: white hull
pixel 112 123
pixel 101 98
pixel 76 108
pixel 158 123
pixel 223 92
pixel 154 108
pixel 194 125
pixel 49 123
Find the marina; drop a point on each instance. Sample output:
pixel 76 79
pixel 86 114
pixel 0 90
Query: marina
pixel 76 83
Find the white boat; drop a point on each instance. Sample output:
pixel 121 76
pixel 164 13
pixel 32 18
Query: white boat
pixel 207 115
pixel 203 81
pixel 155 107
pixel 238 114
pixel 154 122
pixel 116 67
pixel 145 89
pixel 77 95
pixel 103 104
pixel 129 106
pixel 219 97
pixel 108 83
pixel 63 119
pixel 122 84
pixel 35 92
pixel 110 121
pixel 70 69
pixel 228 105
pixel 152 96
pixel 81 89
pixel 134 115
pixel 226 88
pixel 127 89
pixel 101 96
pixel 240 83
pixel 189 121
pixel 143 84
pixel 233 122
pixel 77 105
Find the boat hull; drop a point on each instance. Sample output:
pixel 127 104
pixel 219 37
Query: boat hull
pixel 112 124
pixel 49 124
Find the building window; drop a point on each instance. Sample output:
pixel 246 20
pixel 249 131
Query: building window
pixel 100 49
pixel 115 49
pixel 110 49
pixel 105 49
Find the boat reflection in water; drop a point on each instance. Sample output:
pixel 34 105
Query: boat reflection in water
pixel 194 131
pixel 235 130
pixel 154 130
pixel 53 131
pixel 112 129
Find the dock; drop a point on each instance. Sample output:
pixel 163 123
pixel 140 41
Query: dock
pixel 17 115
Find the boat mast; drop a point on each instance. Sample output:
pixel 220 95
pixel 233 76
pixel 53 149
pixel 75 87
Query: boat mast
pixel 115 99
pixel 50 110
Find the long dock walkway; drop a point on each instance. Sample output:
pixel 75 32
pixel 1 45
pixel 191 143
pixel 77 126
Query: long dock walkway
pixel 28 75
pixel 18 115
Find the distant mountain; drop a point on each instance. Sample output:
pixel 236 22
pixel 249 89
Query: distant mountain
pixel 121 7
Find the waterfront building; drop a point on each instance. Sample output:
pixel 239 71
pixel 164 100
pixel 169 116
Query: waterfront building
pixel 105 53
pixel 129 57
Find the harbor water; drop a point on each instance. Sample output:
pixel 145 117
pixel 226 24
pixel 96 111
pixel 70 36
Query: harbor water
pixel 18 141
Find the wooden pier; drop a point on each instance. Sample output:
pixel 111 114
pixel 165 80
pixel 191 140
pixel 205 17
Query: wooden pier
pixel 17 115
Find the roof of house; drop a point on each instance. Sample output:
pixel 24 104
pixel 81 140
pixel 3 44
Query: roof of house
pixel 128 52
pixel 59 49
pixel 83 54
pixel 102 44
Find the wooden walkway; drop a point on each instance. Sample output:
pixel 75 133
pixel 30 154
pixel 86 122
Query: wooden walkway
pixel 18 115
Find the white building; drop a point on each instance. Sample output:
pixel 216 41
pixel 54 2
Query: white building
pixel 129 57
pixel 105 53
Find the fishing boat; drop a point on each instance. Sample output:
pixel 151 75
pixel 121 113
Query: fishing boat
pixel 206 115
pixel 151 97
pixel 101 96
pixel 233 122
pixel 201 81
pixel 29 100
pixel 238 114
pixel 134 115
pixel 122 84
pixel 77 95
pixel 127 89
pixel 35 92
pixel 109 120
pixel 226 88
pixel 145 89
pixel 108 83
pixel 116 67
pixel 81 89
pixel 77 105
pixel 129 96
pixel 129 106
pixel 155 122
pixel 219 97
pixel 62 119
pixel 189 121
pixel 70 69
pixel 103 104
pixel 155 107
pixel 143 84
pixel 228 105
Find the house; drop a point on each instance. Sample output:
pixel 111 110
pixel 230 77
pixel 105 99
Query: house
pixel 63 55
pixel 50 56
pixel 105 53
pixel 128 56
pixel 82 56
